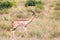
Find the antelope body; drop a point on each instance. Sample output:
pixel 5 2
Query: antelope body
pixel 23 23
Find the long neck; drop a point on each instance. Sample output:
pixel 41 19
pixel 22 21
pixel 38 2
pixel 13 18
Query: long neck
pixel 33 16
pixel 30 20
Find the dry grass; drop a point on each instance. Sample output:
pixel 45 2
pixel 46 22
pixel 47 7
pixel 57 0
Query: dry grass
pixel 46 25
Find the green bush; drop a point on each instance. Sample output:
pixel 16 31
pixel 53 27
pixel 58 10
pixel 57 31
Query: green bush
pixel 7 4
pixel 30 3
pixel 37 4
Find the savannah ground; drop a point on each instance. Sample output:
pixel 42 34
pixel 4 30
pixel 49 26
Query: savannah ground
pixel 45 26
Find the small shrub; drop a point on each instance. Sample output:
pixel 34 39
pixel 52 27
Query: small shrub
pixel 37 4
pixel 30 3
pixel 7 4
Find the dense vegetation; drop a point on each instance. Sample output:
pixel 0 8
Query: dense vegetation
pixel 30 3
pixel 37 4
pixel 7 4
